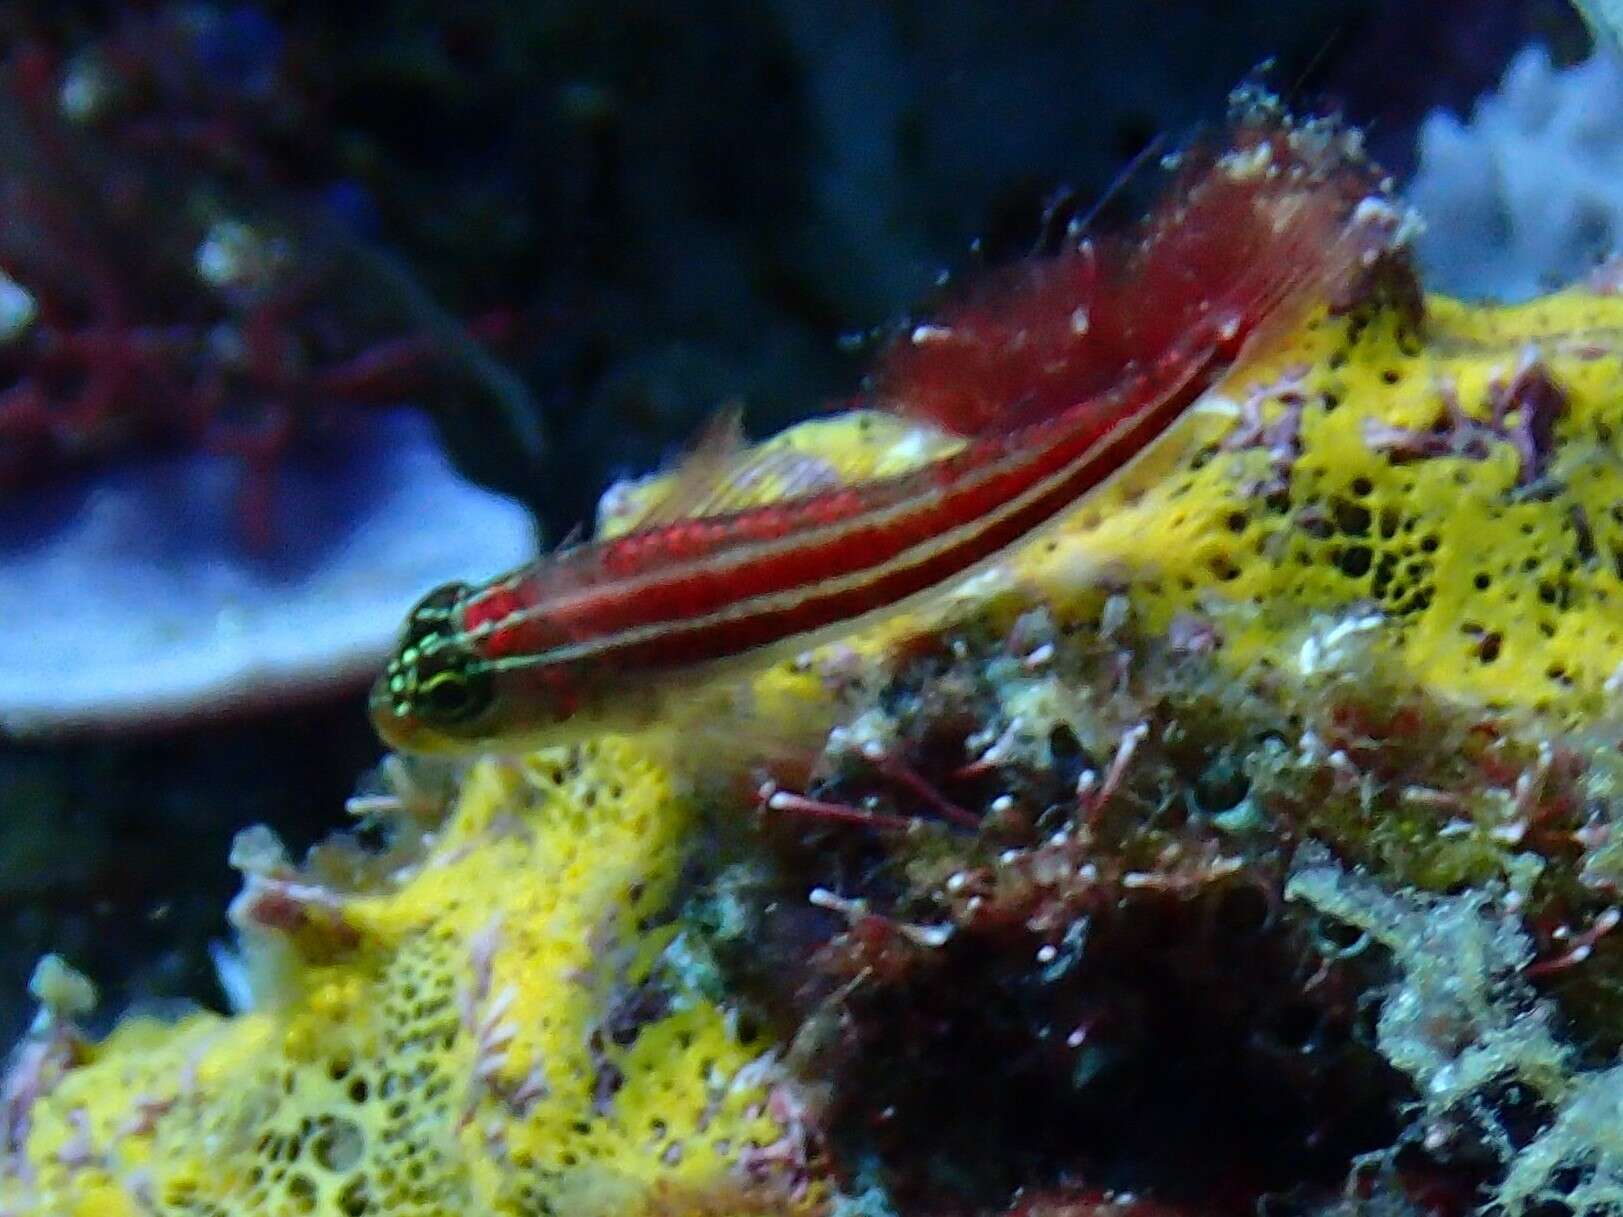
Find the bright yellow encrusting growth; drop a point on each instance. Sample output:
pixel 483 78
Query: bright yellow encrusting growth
pixel 1492 580
pixel 493 1034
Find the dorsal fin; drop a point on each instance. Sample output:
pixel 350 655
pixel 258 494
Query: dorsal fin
pixel 706 468
pixel 814 456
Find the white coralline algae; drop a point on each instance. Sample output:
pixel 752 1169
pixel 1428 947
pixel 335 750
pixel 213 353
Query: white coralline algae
pixel 1528 194
pixel 130 600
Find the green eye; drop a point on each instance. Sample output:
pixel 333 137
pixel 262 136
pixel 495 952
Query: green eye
pixel 435 675
pixel 451 685
pixel 447 697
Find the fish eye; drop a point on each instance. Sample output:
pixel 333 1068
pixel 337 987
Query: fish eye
pixel 447 697
pixel 435 675
pixel 451 686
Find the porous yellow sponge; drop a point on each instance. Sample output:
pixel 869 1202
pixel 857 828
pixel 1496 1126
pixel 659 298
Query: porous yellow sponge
pixel 1367 470
pixel 490 1032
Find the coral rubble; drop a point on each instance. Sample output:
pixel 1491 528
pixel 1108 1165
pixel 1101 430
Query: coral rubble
pixel 1249 839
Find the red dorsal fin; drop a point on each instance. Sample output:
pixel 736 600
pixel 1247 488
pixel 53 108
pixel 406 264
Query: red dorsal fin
pixel 1241 235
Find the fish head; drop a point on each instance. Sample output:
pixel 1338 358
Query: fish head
pixel 454 686
pixel 436 693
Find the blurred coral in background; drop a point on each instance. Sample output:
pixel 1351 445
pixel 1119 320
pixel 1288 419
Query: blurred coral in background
pixel 218 479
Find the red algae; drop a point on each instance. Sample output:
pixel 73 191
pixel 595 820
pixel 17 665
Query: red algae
pixel 158 310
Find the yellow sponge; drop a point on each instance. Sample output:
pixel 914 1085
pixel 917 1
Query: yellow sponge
pixel 490 1034
pixel 1367 472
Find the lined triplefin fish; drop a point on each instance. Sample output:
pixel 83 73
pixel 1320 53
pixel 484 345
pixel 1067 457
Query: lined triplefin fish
pixel 1058 371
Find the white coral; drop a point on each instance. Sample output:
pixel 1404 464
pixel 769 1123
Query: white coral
pixel 1528 194
pixel 1577 1161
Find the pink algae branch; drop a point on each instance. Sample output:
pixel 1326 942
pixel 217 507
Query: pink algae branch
pixel 1523 412
pixel 54 1045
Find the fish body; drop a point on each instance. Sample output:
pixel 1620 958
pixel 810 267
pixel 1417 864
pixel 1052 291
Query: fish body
pixel 1059 372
